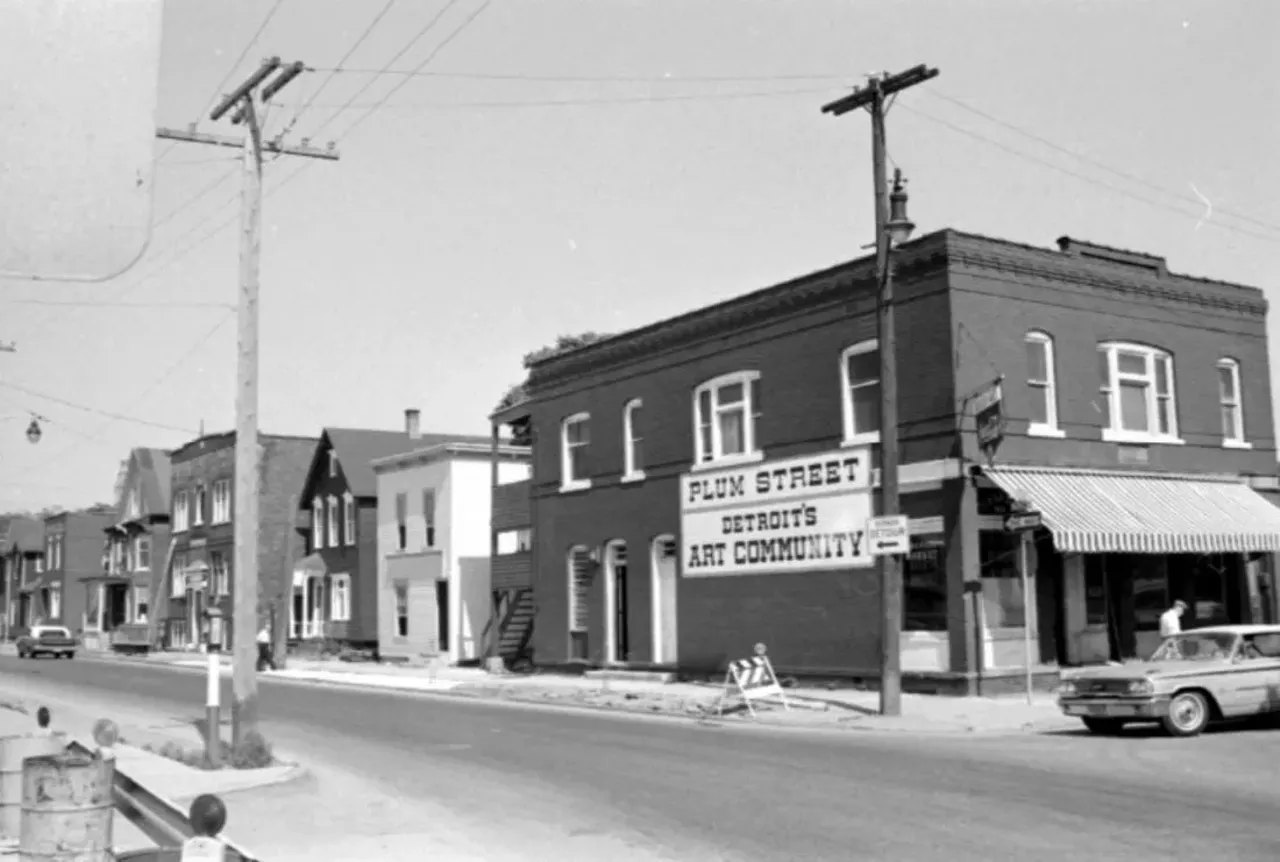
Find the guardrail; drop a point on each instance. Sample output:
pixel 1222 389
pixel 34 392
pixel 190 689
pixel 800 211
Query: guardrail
pixel 178 834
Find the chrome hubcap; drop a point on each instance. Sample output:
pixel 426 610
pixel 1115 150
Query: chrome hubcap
pixel 1187 712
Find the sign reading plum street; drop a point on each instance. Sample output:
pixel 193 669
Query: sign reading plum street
pixel 798 515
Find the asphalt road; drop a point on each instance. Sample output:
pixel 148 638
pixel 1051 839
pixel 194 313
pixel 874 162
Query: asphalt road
pixel 675 789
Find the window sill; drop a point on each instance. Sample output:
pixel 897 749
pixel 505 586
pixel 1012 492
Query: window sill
pixel 637 476
pixel 857 440
pixel 1236 444
pixel 727 462
pixel 575 486
pixel 1111 435
pixel 1038 430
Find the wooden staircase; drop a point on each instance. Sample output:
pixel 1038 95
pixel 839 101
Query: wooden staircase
pixel 508 632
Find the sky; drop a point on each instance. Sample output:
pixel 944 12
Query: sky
pixel 561 166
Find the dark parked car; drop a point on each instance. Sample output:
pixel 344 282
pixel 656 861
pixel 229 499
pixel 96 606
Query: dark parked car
pixel 56 641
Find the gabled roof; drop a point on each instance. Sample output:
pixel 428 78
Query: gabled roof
pixel 358 448
pixel 147 470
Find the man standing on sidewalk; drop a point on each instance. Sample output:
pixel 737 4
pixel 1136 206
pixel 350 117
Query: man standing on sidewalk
pixel 265 658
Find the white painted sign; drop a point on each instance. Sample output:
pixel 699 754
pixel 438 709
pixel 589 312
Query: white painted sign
pixel 203 849
pixel 795 515
pixel 888 534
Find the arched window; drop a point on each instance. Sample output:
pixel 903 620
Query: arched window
pixel 632 441
pixel 575 437
pixel 1042 386
pixel 725 410
pixel 1138 396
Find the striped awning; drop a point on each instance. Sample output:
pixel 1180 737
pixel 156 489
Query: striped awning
pixel 1099 511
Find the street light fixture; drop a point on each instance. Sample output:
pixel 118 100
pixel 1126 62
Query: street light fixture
pixel 33 431
pixel 899 226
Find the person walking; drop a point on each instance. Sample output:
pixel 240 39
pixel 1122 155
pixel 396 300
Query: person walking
pixel 1171 620
pixel 265 658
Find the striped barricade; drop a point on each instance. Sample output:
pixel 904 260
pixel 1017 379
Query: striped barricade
pixel 752 679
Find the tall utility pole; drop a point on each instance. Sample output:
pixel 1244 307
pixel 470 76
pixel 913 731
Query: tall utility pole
pixel 245 100
pixel 873 97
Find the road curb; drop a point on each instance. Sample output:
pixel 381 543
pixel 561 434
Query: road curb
pixel 504 694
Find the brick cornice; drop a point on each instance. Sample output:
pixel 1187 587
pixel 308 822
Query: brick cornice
pixel 947 249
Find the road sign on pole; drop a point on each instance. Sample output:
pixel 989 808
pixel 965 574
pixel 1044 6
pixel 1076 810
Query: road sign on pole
pixel 888 534
pixel 1019 522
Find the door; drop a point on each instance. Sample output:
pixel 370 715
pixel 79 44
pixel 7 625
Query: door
pixel 621 638
pixel 663 568
pixel 1255 685
pixel 442 615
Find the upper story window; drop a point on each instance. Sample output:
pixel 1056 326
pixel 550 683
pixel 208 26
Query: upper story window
pixel 197 516
pixel 1231 403
pixel 724 417
pixel 860 378
pixel 402 521
pixel 333 464
pixel 221 501
pixel 181 512
pixel 1042 385
pixel 317 524
pixel 132 509
pixel 332 521
pixel 429 517
pixel 1137 394
pixel 142 554
pixel 632 441
pixel 575 439
pixel 349 519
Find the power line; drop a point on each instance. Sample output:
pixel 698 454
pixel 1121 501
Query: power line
pixel 217 91
pixel 1095 163
pixel 607 100
pixel 69 304
pixel 360 40
pixel 586 79
pixel 53 399
pixel 1077 175
pixel 192 201
pixel 408 46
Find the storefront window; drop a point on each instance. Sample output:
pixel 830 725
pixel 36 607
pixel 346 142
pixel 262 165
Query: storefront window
pixel 1002 597
pixel 1095 590
pixel 924 584
pixel 1210 606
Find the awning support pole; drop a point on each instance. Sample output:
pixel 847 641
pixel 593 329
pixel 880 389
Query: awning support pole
pixel 1024 539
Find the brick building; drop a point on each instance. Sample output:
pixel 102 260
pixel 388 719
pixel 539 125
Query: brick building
pixel 72 564
pixel 701 484
pixel 202 492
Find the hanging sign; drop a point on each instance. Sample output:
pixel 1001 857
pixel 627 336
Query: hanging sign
pixel 988 412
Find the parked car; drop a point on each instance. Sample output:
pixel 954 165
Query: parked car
pixel 1193 679
pixel 56 641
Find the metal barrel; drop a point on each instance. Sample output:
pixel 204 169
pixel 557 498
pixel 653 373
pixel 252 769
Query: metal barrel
pixel 67 809
pixel 14 750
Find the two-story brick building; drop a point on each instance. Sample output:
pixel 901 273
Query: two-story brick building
pixel 72 565
pixel 21 563
pixel 702 484
pixel 335 588
pixel 135 554
pixel 202 494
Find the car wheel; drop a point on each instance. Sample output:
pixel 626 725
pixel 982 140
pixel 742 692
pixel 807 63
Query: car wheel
pixel 69 655
pixel 1188 714
pixel 1103 726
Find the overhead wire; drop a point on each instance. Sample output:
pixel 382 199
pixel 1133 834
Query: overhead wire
pixel 586 79
pixel 607 100
pixel 73 405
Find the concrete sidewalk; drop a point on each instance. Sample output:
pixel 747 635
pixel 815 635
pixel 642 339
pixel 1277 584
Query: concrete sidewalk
pixel 849 709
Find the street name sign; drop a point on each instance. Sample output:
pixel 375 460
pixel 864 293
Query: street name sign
pixel 888 534
pixel 1020 522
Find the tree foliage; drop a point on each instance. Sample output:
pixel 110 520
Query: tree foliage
pixel 563 344
pixel 521 432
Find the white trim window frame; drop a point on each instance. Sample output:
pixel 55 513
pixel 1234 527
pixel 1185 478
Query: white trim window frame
pixel 1146 374
pixel 317 524
pixel 718 404
pixel 141 560
pixel 575 442
pixel 348 519
pixel 1231 404
pixel 632 443
pixel 340 599
pixel 331 518
pixel 221 502
pixel 181 512
pixel 861 390
pixel 197 514
pixel 1042 384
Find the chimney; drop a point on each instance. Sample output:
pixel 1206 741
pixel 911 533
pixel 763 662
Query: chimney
pixel 411 424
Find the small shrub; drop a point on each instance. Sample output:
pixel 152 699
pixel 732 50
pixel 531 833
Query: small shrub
pixel 253 752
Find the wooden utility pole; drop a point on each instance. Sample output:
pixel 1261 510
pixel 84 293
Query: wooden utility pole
pixel 246 620
pixel 873 97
